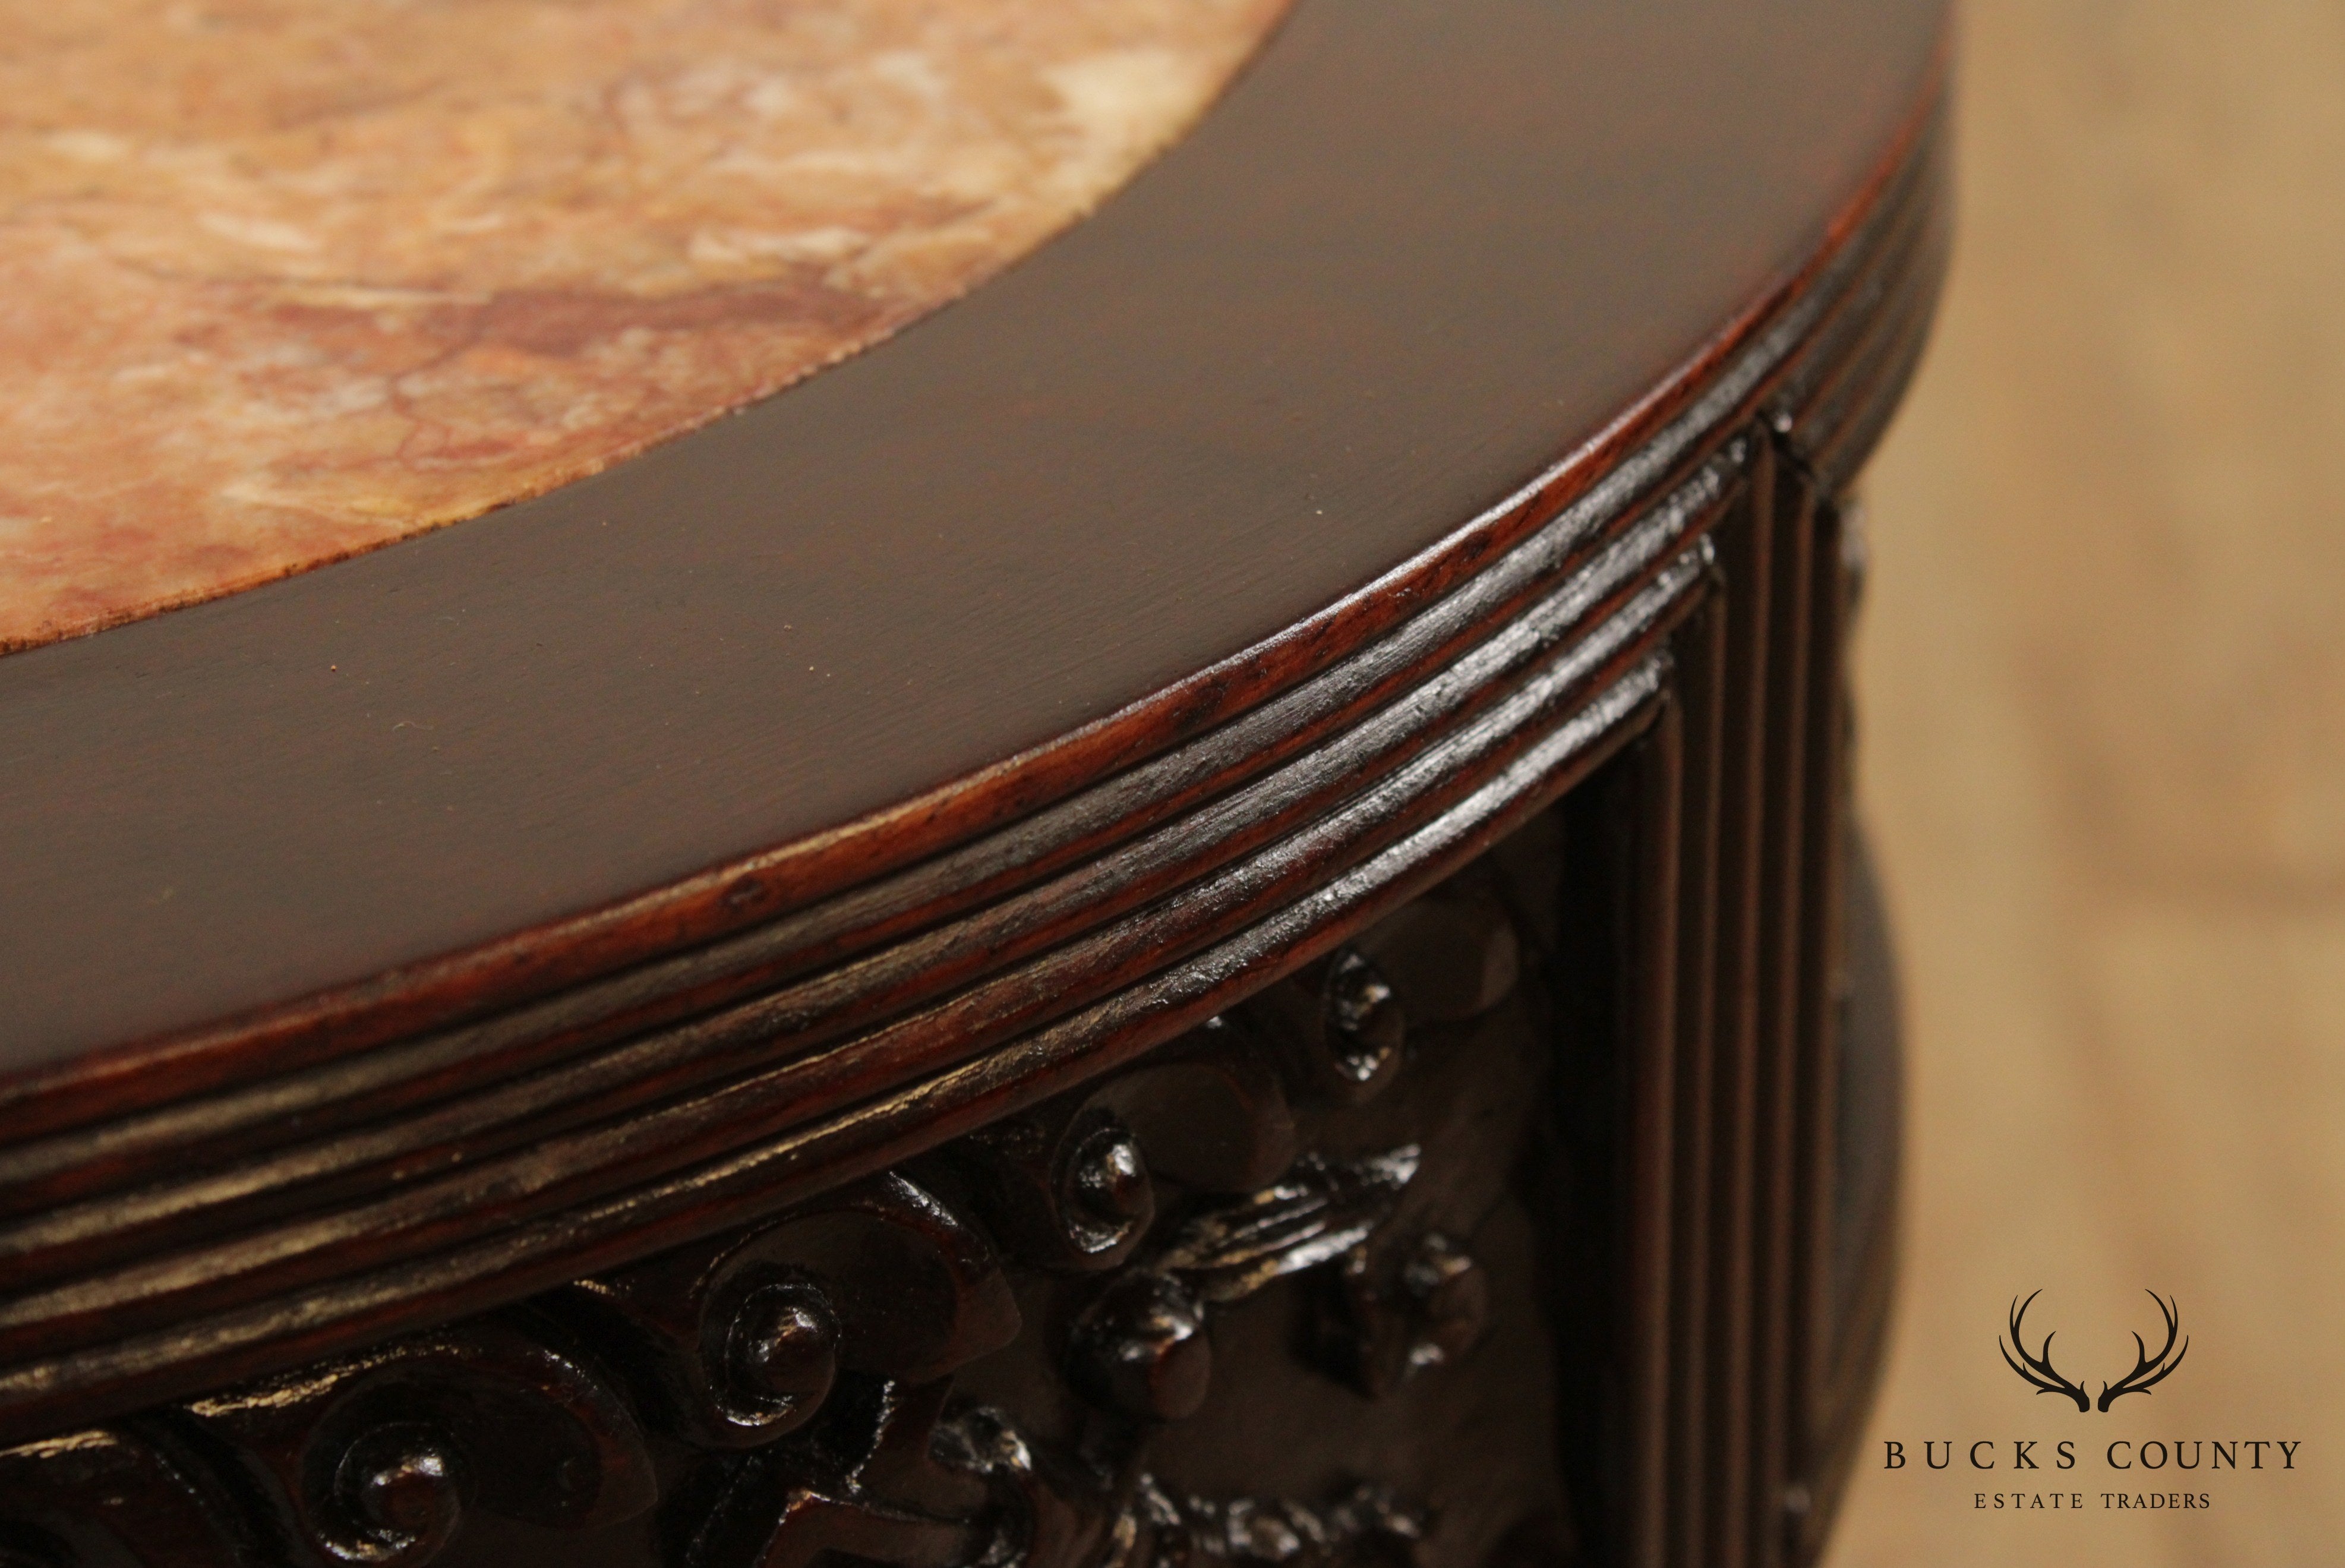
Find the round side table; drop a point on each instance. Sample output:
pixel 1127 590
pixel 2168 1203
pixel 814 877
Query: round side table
pixel 1202 911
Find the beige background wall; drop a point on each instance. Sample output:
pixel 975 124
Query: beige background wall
pixel 2102 670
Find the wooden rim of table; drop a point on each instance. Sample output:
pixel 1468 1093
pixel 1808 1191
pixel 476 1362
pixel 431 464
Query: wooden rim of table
pixel 1318 720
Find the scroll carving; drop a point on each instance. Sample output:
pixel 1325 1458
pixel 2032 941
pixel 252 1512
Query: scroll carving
pixel 1065 1186
pixel 741 1339
pixel 377 1459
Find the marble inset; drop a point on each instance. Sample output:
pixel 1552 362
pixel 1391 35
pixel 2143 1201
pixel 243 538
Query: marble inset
pixel 283 280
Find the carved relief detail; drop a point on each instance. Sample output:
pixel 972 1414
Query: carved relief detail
pixel 785 1392
pixel 376 1458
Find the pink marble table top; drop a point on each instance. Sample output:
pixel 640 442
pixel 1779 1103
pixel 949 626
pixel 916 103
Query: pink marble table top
pixel 280 281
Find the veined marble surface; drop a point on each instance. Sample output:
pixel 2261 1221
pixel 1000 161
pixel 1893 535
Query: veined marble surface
pixel 281 280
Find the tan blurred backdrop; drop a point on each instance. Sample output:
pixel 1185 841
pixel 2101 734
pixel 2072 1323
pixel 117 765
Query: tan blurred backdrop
pixel 2103 677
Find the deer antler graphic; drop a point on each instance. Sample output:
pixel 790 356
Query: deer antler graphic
pixel 2037 1368
pixel 2157 1366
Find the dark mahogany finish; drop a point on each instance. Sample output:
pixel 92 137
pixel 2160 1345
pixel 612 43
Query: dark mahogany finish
pixel 1258 805
pixel 1426 273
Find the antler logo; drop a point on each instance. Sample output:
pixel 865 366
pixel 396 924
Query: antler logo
pixel 2037 1368
pixel 2045 1379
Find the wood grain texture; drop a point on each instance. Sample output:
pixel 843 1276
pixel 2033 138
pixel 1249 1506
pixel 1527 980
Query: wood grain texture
pixel 639 688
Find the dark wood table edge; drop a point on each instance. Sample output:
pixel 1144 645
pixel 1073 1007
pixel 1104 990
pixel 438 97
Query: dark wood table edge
pixel 784 881
pixel 1819 359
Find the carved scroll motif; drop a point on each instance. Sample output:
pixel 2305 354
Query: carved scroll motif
pixel 378 1458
